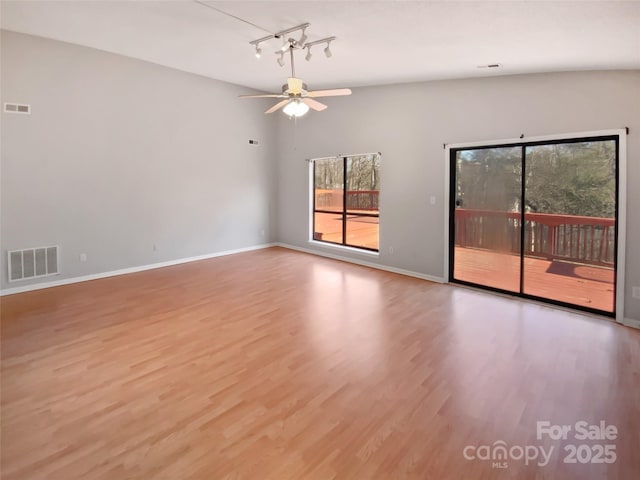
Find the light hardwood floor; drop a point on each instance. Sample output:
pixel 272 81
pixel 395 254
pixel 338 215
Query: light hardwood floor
pixel 280 365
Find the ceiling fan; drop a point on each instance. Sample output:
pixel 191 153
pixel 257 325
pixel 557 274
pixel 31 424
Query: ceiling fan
pixel 297 98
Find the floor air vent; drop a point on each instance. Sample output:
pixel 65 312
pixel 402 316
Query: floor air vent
pixel 33 263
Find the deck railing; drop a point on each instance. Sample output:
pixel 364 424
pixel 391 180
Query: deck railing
pixel 589 240
pixel 356 199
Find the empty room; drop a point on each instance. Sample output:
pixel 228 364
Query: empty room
pixel 319 240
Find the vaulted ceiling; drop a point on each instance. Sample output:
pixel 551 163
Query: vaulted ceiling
pixel 378 42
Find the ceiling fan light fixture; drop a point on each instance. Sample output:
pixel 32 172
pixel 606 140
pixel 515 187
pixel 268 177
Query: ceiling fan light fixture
pixel 296 99
pixel 295 108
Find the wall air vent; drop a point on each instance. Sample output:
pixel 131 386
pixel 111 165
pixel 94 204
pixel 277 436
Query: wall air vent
pixel 17 108
pixel 33 263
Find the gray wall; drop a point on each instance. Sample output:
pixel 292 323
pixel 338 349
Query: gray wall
pixel 119 155
pixel 409 124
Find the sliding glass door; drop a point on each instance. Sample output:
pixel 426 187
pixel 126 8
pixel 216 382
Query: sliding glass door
pixel 487 217
pixel 537 220
pixel 570 224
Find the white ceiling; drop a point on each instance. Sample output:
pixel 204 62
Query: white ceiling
pixel 379 42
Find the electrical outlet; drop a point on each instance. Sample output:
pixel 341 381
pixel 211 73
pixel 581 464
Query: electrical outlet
pixel 391 250
pixel 83 257
pixel 155 247
pixel 635 292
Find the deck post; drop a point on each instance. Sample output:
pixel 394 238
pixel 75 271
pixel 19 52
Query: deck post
pixel 550 229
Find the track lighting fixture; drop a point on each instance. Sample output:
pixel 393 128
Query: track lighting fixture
pixel 327 50
pixel 303 37
pixel 285 44
pixel 290 44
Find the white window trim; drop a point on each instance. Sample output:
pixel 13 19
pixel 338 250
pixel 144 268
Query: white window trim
pixel 336 246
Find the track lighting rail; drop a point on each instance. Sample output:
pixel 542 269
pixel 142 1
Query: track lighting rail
pixel 280 34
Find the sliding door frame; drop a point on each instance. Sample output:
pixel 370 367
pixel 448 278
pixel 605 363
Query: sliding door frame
pixel 621 209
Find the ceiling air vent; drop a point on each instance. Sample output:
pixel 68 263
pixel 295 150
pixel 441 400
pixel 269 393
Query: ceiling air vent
pixel 17 108
pixel 33 263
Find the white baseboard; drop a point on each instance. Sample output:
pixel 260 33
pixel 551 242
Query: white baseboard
pixel 629 322
pixel 400 271
pixel 124 271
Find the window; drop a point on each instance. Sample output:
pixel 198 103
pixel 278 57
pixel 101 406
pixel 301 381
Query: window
pixel 345 200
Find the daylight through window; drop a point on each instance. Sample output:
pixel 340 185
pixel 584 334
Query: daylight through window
pixel 345 200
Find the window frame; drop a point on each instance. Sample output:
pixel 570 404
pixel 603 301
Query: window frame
pixel 344 212
pixel 621 169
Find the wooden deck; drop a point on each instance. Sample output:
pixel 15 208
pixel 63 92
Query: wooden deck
pixel 361 231
pixel 578 284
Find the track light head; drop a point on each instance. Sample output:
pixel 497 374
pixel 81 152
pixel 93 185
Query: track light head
pixel 327 50
pixel 303 37
pixel 258 50
pixel 308 56
pixel 281 59
pixel 285 44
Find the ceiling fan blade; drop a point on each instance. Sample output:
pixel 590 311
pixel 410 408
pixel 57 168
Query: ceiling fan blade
pixel 336 92
pixel 277 106
pixel 266 95
pixel 317 106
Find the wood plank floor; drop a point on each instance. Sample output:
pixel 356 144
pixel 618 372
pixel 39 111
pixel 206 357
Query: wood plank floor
pixel 280 365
